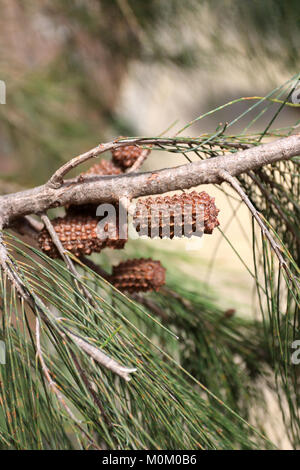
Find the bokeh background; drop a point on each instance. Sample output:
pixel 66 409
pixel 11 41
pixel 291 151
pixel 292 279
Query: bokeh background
pixel 83 71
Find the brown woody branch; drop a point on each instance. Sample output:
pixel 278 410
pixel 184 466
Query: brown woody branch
pixel 97 189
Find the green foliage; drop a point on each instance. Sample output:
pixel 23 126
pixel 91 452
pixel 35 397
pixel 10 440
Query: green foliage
pixel 199 370
pixel 274 190
pixel 163 407
pixel 62 103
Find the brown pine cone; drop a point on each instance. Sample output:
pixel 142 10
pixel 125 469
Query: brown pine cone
pixel 168 216
pixel 126 156
pixel 78 234
pixel 138 275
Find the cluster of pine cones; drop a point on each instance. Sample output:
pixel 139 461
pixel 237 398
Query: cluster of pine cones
pixel 78 233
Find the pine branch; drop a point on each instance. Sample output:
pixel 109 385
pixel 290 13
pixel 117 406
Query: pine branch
pixel 58 192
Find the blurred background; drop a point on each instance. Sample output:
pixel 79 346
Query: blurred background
pixel 84 71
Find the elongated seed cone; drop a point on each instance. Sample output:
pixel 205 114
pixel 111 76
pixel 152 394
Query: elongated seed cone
pixel 126 156
pixel 180 215
pixel 103 168
pixel 138 275
pixel 79 235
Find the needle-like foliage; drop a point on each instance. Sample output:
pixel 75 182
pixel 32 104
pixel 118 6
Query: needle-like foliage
pixel 198 368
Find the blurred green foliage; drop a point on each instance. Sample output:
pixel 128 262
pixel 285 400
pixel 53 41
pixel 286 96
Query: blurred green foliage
pixel 64 64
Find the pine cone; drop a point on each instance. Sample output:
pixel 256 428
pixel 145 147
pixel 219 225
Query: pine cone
pixel 78 234
pixel 168 216
pixel 126 156
pixel 138 275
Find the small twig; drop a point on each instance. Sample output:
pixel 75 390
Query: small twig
pixel 102 358
pixel 236 186
pixel 58 178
